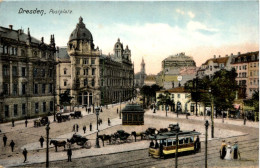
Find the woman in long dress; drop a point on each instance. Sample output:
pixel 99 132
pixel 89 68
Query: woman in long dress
pixel 229 151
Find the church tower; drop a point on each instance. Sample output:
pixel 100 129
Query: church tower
pixel 143 75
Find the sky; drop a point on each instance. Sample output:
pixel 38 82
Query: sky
pixel 153 30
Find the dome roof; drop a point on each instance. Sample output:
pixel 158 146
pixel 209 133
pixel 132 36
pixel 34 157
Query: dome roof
pixel 81 32
pixel 118 44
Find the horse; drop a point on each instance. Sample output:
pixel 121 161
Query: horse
pixel 105 137
pixel 136 134
pixel 58 144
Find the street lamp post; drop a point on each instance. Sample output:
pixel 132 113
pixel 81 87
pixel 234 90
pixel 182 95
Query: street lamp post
pixel 97 113
pixel 120 106
pixel 176 151
pixel 47 145
pixel 212 115
pixel 206 143
pixel 166 108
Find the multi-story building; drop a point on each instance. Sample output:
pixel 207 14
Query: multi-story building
pixel 92 77
pixel 174 66
pixel 215 64
pixel 247 68
pixel 27 75
pixel 181 99
pixel 140 76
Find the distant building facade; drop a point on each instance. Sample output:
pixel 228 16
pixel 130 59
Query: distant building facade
pixel 174 66
pixel 215 64
pixel 182 102
pixel 27 75
pixel 247 68
pixel 150 80
pixel 140 76
pixel 94 78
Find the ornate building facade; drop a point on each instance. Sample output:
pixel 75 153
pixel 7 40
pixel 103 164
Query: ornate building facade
pixel 27 75
pixel 94 78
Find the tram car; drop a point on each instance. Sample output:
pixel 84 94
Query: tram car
pixel 164 144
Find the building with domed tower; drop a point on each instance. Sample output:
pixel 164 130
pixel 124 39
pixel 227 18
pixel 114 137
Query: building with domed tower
pixel 94 78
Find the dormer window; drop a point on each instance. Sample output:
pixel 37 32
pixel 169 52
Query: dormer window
pixel 71 35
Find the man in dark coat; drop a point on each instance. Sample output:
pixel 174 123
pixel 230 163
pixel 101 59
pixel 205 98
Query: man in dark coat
pixel 90 126
pixel 152 144
pixel 4 139
pixel 25 155
pixel 117 110
pixel 223 150
pixel 197 144
pixel 69 153
pixel 84 129
pixel 12 145
pixel 77 127
pixel 41 141
pixel 108 122
pixel 26 122
pixel 12 122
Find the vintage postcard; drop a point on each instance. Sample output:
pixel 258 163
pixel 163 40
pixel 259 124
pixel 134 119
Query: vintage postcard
pixel 129 84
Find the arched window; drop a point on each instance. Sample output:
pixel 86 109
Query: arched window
pixel 93 82
pixel 65 71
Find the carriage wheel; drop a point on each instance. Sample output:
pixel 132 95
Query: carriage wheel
pixel 87 145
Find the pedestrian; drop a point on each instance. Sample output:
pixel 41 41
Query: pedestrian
pixel 12 122
pixel 12 145
pixel 4 139
pixel 41 141
pixel 223 150
pixel 73 130
pixel 108 122
pixel 101 109
pixel 197 144
pixel 26 122
pixel 69 153
pixel 117 110
pixel 100 121
pixel 154 110
pixel 84 129
pixel 235 150
pixel 77 127
pixel 90 127
pixel 151 144
pixel 25 155
pixel 229 151
pixel 245 120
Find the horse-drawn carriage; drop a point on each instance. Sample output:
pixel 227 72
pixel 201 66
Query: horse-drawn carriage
pixel 76 114
pixel 41 122
pixel 121 135
pixel 62 117
pixel 79 140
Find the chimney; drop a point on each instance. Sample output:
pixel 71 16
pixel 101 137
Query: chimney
pixel 231 54
pixel 11 27
pixel 214 56
pixel 219 56
pixel 238 53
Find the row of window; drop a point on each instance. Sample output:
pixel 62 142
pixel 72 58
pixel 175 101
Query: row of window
pixel 14 71
pixel 85 71
pixel 254 81
pixel 24 109
pixel 242 75
pixel 243 67
pixel 43 88
pixel 13 51
pixel 85 61
pixel 42 73
pixel 254 73
pixel 85 82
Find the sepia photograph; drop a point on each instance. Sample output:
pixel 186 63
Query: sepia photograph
pixel 129 84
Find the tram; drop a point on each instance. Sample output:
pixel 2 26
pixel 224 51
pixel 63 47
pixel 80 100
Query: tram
pixel 165 143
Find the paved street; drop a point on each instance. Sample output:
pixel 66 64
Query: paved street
pixel 131 153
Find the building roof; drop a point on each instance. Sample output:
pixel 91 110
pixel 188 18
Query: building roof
pixel 17 34
pixel 150 78
pixel 217 60
pixel 63 54
pixel 81 32
pixel 174 90
pixel 133 108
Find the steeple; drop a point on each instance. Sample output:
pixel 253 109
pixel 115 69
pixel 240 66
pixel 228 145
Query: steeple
pixel 29 35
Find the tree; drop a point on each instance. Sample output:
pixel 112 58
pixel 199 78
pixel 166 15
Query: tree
pixel 255 99
pixel 223 89
pixel 154 89
pixel 165 100
pixel 65 98
pixel 145 92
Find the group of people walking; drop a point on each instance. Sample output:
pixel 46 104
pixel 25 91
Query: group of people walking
pixel 228 151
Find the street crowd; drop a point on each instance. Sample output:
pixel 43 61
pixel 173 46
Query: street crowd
pixel 228 151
